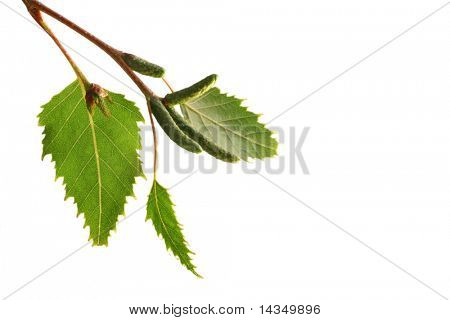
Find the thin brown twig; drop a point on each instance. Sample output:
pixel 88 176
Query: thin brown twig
pixel 112 52
pixel 36 15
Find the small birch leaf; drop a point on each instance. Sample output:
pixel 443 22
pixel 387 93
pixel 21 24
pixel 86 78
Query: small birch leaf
pixel 94 154
pixel 225 122
pixel 160 211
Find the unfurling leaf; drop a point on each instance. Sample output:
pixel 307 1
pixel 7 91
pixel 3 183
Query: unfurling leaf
pixel 222 120
pixel 160 211
pixel 96 155
pixel 143 66
pixel 190 93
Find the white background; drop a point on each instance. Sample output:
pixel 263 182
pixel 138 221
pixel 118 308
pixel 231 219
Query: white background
pixel 378 154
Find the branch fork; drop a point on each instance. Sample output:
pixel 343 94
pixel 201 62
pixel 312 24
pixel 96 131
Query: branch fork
pixel 35 8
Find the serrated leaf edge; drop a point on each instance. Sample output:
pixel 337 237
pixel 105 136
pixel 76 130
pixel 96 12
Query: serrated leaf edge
pixel 57 177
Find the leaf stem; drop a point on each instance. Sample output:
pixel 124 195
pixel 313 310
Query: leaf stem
pixel 168 84
pixel 155 140
pixel 36 14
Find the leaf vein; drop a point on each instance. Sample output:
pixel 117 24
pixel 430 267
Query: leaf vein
pixel 81 172
pixel 115 146
pixel 58 104
pixel 73 146
pixel 65 123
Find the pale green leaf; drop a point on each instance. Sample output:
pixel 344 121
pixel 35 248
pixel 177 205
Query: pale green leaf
pixel 160 211
pixel 225 122
pixel 95 155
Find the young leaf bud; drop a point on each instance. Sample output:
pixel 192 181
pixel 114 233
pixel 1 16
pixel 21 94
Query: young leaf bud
pixel 96 96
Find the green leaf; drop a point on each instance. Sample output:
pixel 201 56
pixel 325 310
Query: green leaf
pixel 207 145
pixel 224 121
pixel 160 211
pixel 96 155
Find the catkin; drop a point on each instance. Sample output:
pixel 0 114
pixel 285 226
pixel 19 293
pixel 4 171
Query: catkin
pixel 143 66
pixel 189 93
pixel 170 127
